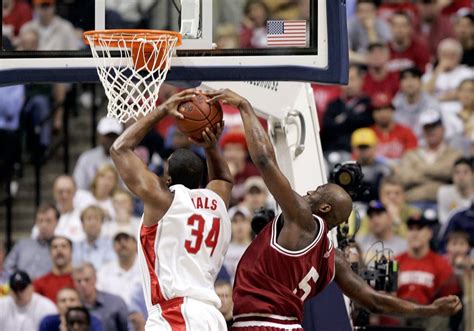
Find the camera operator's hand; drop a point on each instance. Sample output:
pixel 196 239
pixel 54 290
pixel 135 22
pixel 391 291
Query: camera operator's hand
pixel 447 306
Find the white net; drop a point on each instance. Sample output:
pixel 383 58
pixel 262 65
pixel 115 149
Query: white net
pixel 132 67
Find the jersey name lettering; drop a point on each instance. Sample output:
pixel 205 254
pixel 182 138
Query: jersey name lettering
pixel 204 203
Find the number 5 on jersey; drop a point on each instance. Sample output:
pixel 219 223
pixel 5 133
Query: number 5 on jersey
pixel 197 223
pixel 304 284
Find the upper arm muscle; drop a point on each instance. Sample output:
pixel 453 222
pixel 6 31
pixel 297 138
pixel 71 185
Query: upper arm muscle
pixel 222 188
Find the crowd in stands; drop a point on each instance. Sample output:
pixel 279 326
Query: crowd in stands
pixel 406 115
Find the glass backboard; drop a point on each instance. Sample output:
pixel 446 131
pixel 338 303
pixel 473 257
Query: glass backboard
pixel 239 40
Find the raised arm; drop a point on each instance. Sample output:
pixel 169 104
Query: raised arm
pixel 135 174
pixel 379 303
pixel 220 178
pixel 295 209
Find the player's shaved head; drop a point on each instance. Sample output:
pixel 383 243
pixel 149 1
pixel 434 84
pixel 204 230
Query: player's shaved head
pixel 332 203
pixel 186 168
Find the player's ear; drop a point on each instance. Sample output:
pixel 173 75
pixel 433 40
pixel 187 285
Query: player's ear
pixel 325 208
pixel 169 181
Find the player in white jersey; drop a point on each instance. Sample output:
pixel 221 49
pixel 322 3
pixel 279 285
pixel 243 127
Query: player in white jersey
pixel 185 231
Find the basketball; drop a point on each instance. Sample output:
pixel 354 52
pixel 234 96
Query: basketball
pixel 198 115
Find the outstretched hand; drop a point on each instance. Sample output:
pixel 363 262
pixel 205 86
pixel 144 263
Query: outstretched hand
pixel 170 106
pixel 226 96
pixel 447 306
pixel 210 138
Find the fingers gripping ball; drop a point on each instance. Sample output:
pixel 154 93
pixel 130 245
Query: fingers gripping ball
pixel 198 115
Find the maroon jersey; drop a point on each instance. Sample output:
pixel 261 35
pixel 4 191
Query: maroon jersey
pixel 272 283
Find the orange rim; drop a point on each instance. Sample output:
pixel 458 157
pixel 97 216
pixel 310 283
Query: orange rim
pixel 128 35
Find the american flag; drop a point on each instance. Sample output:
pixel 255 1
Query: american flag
pixel 286 33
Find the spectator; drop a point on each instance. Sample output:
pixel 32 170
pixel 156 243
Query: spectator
pixel 390 7
pixel 458 248
pixel 347 113
pixel 103 186
pixel 108 130
pixel 366 28
pixel 60 275
pixel 224 291
pixel 253 31
pixel 443 80
pixel 423 275
pixel 392 197
pixel 378 78
pixel 65 195
pixel 411 101
pixel 406 49
pixel 23 309
pixel 11 104
pixel 130 13
pixel 364 142
pixel 55 33
pixel 120 276
pixel 425 169
pixel 433 26
pixel 67 298
pixel 227 37
pixel 15 14
pixel 464 31
pixel 256 195
pixel 111 309
pixel 458 194
pixel 465 117
pixel 78 319
pixel 380 224
pixel 241 220
pixel 234 150
pixel 67 198
pixel 32 255
pixel 95 248
pixel 124 219
pixel 393 139
pixel 463 220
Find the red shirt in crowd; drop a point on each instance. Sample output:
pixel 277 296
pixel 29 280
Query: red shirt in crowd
pixel 454 6
pixel 389 85
pixel 416 55
pixel 50 284
pixel 426 279
pixel 20 14
pixel 395 143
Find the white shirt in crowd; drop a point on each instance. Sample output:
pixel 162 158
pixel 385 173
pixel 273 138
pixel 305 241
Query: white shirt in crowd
pixel 450 80
pixel 232 258
pixel 449 199
pixel 113 279
pixel 87 199
pixel 109 229
pixel 26 318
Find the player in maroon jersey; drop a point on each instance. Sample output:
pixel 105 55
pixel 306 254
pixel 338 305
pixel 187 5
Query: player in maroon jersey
pixel 292 259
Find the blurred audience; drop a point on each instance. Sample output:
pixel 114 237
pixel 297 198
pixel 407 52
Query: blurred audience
pixel 406 49
pixel 364 142
pixel 366 28
pixel 424 275
pixel 433 26
pixel 253 31
pixel 380 225
pixel 111 309
pixel 15 13
pixel 33 255
pixel 411 101
pixel 95 248
pixel 462 220
pixel 379 79
pixel 463 136
pixel 127 14
pixel 55 33
pixel 460 193
pixel 256 195
pixel 108 129
pixel 67 298
pixel 241 219
pixel 23 309
pixel 393 139
pixel 347 113
pixel 425 169
pixel 464 32
pixel 120 276
pixel 4 275
pixel 60 275
pixel 124 219
pixel 78 319
pixel 223 289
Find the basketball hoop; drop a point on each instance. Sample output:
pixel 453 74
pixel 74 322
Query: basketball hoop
pixel 132 65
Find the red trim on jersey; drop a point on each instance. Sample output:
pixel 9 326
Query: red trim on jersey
pixel 171 312
pixel 147 238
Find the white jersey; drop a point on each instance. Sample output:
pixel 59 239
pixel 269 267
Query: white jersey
pixel 182 254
